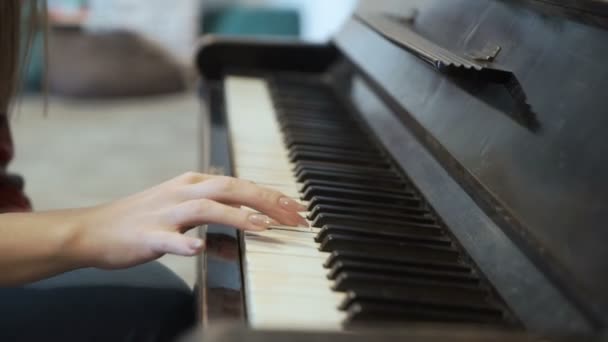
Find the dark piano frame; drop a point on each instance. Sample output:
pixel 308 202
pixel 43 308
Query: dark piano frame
pixel 531 286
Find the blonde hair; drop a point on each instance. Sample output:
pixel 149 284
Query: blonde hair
pixel 16 36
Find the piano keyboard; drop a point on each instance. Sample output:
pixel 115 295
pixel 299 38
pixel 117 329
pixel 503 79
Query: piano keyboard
pixel 374 252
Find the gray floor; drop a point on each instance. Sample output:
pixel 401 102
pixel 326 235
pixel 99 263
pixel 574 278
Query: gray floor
pixel 88 152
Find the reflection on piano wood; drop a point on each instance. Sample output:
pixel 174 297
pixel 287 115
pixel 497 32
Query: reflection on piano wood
pixel 391 259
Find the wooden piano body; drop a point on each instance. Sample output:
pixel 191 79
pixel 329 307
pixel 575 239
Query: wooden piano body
pixel 494 111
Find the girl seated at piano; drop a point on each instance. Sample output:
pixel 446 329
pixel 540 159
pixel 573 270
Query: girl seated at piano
pixel 89 273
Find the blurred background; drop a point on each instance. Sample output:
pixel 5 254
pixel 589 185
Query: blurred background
pixel 122 112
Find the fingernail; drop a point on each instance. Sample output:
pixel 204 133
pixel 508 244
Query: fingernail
pixel 260 220
pixel 291 205
pixel 196 244
pixel 303 223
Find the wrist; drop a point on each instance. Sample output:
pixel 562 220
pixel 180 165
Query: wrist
pixel 35 246
pixel 75 246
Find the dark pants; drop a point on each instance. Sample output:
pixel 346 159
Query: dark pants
pixel 144 303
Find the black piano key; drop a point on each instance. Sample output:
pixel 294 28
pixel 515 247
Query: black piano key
pixel 291 134
pixel 349 265
pixel 299 140
pixel 329 191
pixel 364 313
pixel 439 296
pixel 337 167
pixel 318 209
pixel 327 142
pixel 323 119
pixel 303 96
pixel 410 233
pixel 361 171
pixel 327 135
pixel 298 93
pixel 352 148
pixel 332 150
pixel 420 216
pixel 413 208
pixel 452 301
pixel 354 180
pixel 370 222
pixel 321 140
pixel 287 115
pixel 453 265
pixel 306 85
pixel 308 184
pixel 330 176
pixel 313 124
pixel 313 120
pixel 314 105
pixel 346 281
pixel 351 279
pixel 338 158
pixel 294 96
pixel 388 248
pixel 288 90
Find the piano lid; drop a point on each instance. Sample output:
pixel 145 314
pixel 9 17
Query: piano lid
pixel 541 175
pixel 593 12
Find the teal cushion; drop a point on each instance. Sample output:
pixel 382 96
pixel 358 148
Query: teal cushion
pixel 34 71
pixel 252 22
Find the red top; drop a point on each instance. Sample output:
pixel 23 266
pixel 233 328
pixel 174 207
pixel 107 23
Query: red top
pixel 12 197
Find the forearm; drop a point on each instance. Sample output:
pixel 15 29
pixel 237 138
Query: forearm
pixel 136 229
pixel 34 246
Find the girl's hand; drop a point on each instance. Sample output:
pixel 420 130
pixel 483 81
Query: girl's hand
pixel 149 224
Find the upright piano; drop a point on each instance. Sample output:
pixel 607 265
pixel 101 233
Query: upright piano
pixel 453 156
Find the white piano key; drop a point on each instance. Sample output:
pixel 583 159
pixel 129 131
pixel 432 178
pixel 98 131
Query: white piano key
pixel 268 149
pixel 297 229
pixel 288 191
pixel 286 248
pixel 296 264
pixel 266 180
pixel 256 161
pixel 268 172
pixel 276 236
pixel 286 285
pixel 286 185
pixel 284 311
pixel 295 286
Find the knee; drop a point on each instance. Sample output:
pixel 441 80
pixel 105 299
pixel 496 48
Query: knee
pixel 173 308
pixel 155 304
pixel 147 303
pixel 168 299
